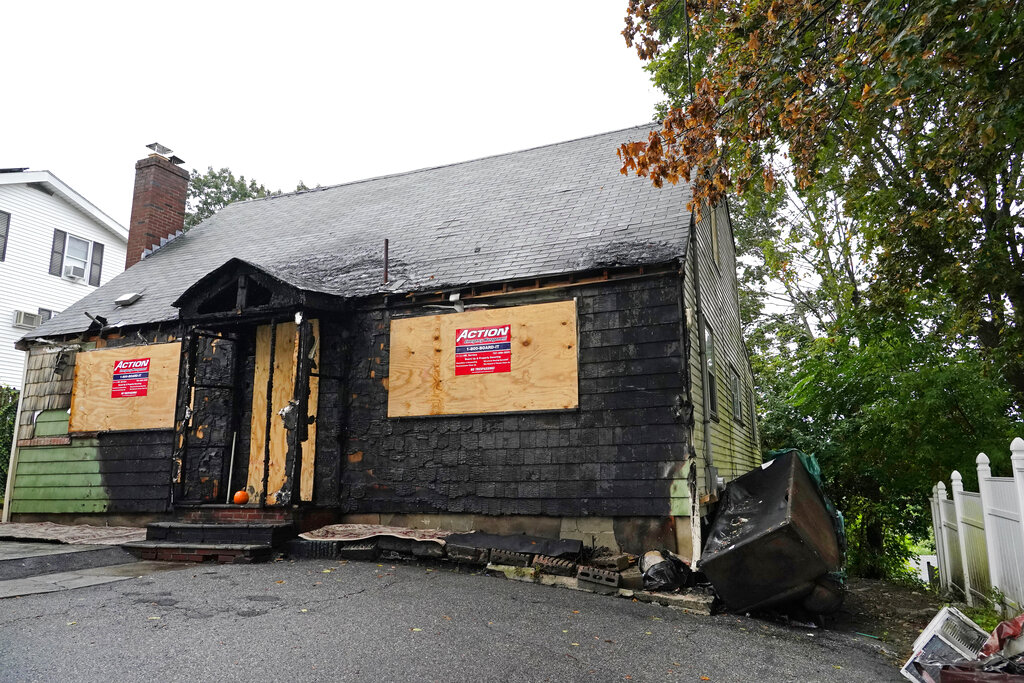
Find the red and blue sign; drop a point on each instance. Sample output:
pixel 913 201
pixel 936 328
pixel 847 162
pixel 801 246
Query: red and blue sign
pixel 131 378
pixel 483 350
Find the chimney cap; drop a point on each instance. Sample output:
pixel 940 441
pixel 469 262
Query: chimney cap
pixel 159 149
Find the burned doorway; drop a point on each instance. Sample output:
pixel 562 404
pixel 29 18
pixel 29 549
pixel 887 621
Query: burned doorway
pixel 249 388
pixel 208 418
pixel 249 415
pixel 282 436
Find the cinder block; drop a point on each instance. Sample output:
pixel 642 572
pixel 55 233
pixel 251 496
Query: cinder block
pixel 598 580
pixel 615 563
pixel 468 554
pixel 507 557
pixel 358 550
pixel 427 549
pixel 554 565
pixel 631 579
pixel 395 545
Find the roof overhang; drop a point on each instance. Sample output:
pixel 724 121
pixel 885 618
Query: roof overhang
pixel 51 183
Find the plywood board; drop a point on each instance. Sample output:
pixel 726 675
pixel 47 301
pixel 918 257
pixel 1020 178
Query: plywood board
pixel 99 403
pixel 286 354
pixel 258 422
pixel 542 373
pixel 309 446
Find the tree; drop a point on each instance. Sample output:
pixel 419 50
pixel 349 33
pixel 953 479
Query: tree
pixel 8 410
pixel 213 190
pixel 910 113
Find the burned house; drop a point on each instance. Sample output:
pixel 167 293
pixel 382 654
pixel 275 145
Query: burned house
pixel 530 342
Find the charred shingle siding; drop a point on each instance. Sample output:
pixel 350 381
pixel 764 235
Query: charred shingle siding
pixel 611 457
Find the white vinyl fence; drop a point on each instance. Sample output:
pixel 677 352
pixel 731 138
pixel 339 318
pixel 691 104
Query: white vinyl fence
pixel 979 537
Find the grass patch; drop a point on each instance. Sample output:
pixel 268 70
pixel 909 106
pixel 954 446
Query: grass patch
pixel 984 616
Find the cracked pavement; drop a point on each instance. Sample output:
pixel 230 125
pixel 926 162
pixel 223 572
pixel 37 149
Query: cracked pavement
pixel 331 620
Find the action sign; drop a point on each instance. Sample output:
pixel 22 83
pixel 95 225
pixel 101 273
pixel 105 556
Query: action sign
pixel 483 350
pixel 131 378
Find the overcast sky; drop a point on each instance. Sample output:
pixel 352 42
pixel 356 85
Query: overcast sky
pixel 318 92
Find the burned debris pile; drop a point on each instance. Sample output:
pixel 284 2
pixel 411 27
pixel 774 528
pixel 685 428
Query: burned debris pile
pixel 953 649
pixel 558 562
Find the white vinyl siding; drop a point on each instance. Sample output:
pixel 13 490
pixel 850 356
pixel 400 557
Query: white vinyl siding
pixel 25 282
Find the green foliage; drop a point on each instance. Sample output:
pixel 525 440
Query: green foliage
pixel 208 192
pixel 984 615
pixel 909 114
pixel 8 410
pixel 876 148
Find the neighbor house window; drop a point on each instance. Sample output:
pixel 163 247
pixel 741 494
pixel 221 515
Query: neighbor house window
pixel 737 397
pixel 710 380
pixel 75 258
pixel 46 314
pixel 5 225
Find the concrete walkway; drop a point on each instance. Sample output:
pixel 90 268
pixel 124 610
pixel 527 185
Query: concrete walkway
pixel 50 557
pixel 59 581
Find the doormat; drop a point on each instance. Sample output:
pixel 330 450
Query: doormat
pixel 359 532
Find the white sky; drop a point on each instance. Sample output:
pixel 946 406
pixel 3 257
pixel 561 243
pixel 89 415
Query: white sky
pixel 319 92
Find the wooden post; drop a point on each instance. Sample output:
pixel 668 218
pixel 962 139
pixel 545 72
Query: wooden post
pixel 991 544
pixel 961 532
pixel 1017 464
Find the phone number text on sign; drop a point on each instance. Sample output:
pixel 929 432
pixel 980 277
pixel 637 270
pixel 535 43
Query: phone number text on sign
pixel 131 378
pixel 483 350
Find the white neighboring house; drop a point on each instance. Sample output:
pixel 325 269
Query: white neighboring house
pixel 55 247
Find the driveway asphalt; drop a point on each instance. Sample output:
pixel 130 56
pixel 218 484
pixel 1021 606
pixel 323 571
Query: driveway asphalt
pixel 321 620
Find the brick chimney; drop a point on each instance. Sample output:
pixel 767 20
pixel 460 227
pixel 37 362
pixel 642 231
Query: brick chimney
pixel 158 206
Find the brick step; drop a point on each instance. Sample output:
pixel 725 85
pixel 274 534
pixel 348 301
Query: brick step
pixel 256 533
pixel 224 553
pixel 237 514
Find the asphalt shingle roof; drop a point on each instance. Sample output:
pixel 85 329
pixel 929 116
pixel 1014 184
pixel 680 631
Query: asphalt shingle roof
pixel 554 209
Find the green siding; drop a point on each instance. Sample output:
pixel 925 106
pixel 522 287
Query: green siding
pixel 52 423
pixel 58 479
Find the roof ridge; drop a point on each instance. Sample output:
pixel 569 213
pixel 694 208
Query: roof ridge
pixel 440 166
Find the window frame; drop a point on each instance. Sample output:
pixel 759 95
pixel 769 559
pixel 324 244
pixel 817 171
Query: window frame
pixel 5 233
pixel 753 420
pixel 710 377
pixel 86 262
pixel 737 396
pixel 92 265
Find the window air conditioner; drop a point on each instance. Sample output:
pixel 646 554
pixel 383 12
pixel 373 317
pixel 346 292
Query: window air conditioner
pixel 27 320
pixel 74 272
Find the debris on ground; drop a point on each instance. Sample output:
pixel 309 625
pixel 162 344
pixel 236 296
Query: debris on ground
pixel 954 649
pixel 777 540
pixel 554 562
pixel 665 571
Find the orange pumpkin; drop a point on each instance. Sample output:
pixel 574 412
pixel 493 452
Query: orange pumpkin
pixel 241 497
